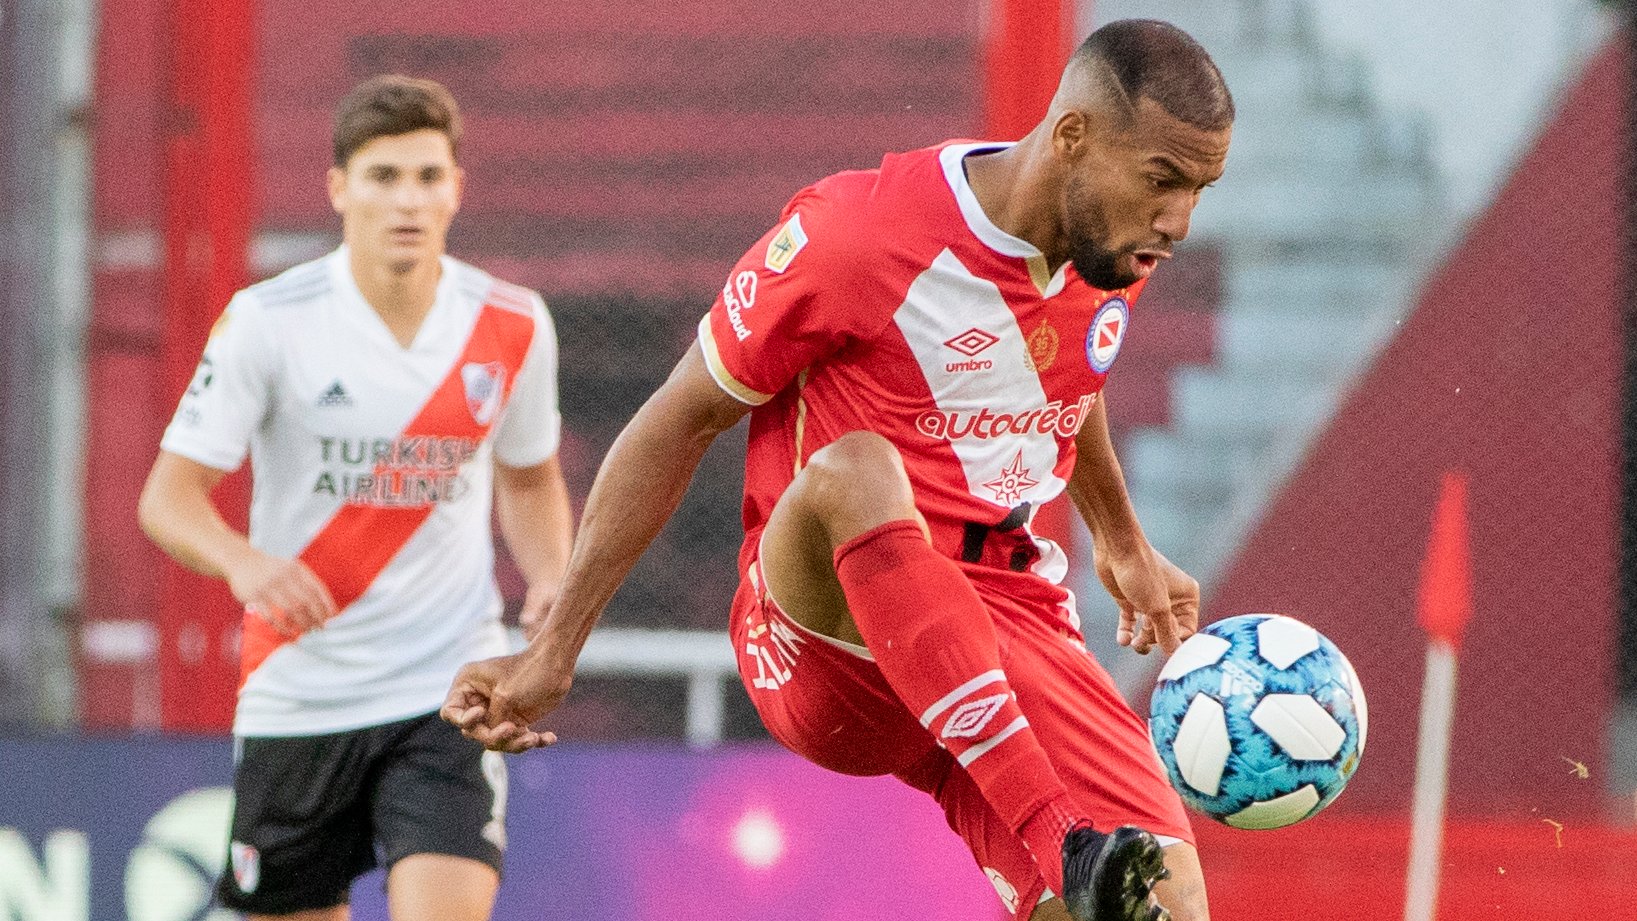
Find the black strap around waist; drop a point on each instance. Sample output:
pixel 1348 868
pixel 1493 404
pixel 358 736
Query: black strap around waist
pixel 1005 544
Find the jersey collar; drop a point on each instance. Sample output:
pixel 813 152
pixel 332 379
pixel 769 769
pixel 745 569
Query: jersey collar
pixel 990 235
pixel 430 331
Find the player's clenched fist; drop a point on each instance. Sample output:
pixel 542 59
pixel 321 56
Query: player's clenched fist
pixel 494 701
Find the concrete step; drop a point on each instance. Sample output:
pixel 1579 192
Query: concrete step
pixel 1251 407
pixel 1337 285
pixel 1273 75
pixel 1346 248
pixel 1327 217
pixel 1164 461
pixel 1350 208
pixel 1328 140
pixel 1177 528
pixel 1316 346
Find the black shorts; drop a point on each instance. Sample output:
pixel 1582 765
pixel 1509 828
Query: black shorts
pixel 313 813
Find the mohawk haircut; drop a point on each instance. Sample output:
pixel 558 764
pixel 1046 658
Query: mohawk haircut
pixel 1144 58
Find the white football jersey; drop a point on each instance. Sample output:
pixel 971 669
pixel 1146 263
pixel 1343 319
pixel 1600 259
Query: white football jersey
pixel 372 464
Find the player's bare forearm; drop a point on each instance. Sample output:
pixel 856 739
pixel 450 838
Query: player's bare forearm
pixel 176 513
pixel 1097 485
pixel 536 521
pixel 637 489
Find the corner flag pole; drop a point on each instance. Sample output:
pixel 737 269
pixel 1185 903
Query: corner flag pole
pixel 1444 605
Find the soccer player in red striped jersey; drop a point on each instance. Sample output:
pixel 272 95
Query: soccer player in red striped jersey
pixel 389 397
pixel 922 349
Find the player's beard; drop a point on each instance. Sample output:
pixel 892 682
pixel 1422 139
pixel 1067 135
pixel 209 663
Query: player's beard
pixel 1086 226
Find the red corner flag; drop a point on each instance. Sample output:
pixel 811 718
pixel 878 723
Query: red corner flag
pixel 1444 603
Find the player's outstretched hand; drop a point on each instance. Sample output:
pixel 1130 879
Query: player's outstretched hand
pixel 495 701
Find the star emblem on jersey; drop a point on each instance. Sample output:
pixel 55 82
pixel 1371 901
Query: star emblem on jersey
pixel 1106 333
pixel 972 342
pixel 1012 483
pixel 483 388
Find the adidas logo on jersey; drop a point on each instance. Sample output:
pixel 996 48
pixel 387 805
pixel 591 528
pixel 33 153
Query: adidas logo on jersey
pixel 334 395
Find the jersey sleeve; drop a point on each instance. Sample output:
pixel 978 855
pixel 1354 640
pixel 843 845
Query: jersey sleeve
pixel 530 430
pixel 785 304
pixel 231 391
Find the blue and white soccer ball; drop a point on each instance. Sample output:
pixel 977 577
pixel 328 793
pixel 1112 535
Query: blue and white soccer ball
pixel 1260 721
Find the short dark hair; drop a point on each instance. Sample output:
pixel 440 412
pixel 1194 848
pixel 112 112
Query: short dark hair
pixel 1146 58
pixel 393 104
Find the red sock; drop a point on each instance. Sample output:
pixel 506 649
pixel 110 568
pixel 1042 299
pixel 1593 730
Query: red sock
pixel 932 638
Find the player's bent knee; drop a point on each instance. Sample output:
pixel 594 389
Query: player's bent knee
pixel 859 469
pixel 857 452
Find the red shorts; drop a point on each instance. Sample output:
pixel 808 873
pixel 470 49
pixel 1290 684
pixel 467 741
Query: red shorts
pixel 828 702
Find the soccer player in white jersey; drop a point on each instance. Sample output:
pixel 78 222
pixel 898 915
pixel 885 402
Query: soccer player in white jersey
pixel 922 349
pixel 388 396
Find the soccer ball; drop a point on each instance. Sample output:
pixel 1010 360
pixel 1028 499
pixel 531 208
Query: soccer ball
pixel 1260 721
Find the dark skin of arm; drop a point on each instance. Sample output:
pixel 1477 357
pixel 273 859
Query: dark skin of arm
pixel 640 484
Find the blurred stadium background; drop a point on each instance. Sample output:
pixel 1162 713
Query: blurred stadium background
pixel 1417 264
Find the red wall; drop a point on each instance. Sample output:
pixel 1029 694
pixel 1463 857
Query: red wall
pixel 1509 369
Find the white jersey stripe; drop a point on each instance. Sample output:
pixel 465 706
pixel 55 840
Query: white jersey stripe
pixel 1003 464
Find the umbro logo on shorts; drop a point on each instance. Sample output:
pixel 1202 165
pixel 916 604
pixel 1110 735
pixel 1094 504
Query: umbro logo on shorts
pixel 334 395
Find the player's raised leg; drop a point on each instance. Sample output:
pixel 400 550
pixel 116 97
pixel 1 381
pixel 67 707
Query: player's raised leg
pixel 844 554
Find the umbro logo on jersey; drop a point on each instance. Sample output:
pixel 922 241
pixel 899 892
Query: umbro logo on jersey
pixel 970 343
pixel 970 718
pixel 334 395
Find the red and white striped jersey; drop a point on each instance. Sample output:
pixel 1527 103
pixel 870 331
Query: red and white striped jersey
pixel 886 300
pixel 372 463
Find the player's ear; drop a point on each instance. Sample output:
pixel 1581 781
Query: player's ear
pixel 337 180
pixel 460 187
pixel 1070 134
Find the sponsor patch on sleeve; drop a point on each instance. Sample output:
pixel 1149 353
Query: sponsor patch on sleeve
pixel 786 244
